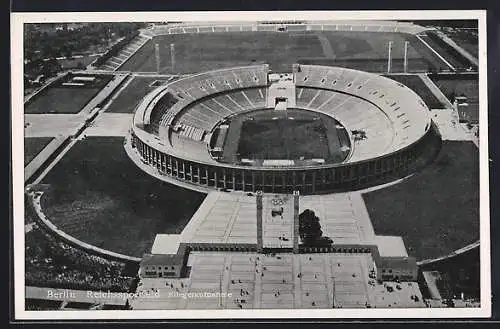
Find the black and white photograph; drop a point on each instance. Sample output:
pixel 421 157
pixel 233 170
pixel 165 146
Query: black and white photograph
pixel 250 165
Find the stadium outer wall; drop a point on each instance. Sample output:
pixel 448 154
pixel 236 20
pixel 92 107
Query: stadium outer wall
pixel 341 177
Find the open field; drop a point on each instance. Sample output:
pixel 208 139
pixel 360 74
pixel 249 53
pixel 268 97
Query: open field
pixel 65 99
pixel 460 274
pixel 467 85
pixel 300 134
pixel 209 51
pixel 99 196
pixel 417 85
pixel 465 38
pixel 33 146
pixel 60 100
pixel 437 210
pixel 446 51
pixel 133 93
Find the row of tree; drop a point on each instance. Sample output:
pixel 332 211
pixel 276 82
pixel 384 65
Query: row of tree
pixel 43 43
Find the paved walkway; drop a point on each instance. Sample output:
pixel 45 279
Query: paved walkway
pixel 239 280
pixel 110 124
pixel 435 90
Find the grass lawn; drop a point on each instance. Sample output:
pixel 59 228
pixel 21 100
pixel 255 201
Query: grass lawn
pixel 98 195
pixel 446 51
pixel 465 38
pixel 417 85
pixel 467 85
pixel 63 99
pixel 207 51
pixel 129 97
pixel 33 146
pixel 437 210
pixel 260 135
pixel 60 100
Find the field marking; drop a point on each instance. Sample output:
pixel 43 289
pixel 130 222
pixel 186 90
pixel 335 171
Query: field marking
pixel 436 53
pixel 326 46
pixel 113 98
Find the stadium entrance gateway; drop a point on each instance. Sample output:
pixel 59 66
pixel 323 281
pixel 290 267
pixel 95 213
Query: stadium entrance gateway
pixel 275 224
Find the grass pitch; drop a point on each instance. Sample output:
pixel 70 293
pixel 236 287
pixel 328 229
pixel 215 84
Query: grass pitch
pixel 437 210
pixel 98 195
pixel 467 85
pixel 133 93
pixel 60 100
pixel 33 146
pixel 294 135
pixel 283 139
pixel 63 99
pixel 208 51
pixel 418 86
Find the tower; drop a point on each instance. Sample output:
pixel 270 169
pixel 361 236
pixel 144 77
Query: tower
pixel 389 57
pixel 405 63
pixel 295 222
pixel 172 56
pixel 259 222
pixel 157 57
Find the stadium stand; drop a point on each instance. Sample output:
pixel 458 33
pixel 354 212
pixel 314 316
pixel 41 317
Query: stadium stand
pixel 383 127
pixel 386 95
pixel 362 25
pixel 113 63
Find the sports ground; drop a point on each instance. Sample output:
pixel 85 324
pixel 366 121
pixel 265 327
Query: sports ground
pixel 436 211
pixel 294 135
pixel 64 99
pixel 463 85
pixel 415 83
pixel 33 146
pixel 132 93
pixel 98 195
pixel 109 202
pixel 358 50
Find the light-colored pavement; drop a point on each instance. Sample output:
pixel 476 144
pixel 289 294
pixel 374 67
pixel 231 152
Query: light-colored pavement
pixel 110 124
pixel 234 280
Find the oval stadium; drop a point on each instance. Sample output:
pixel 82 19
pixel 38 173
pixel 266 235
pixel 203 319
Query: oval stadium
pixel 256 165
pixel 317 129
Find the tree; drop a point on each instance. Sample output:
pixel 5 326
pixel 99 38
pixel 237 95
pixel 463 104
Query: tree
pixel 310 230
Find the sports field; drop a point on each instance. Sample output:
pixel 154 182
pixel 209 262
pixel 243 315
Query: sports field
pixel 63 99
pixel 467 85
pixel 418 86
pixel 132 94
pixel 109 202
pixel 208 51
pixel 447 52
pixel 465 38
pixel 291 134
pixel 437 210
pixel 33 146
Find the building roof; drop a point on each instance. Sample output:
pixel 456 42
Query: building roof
pixel 390 246
pixel 408 263
pixel 156 259
pixel 166 244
